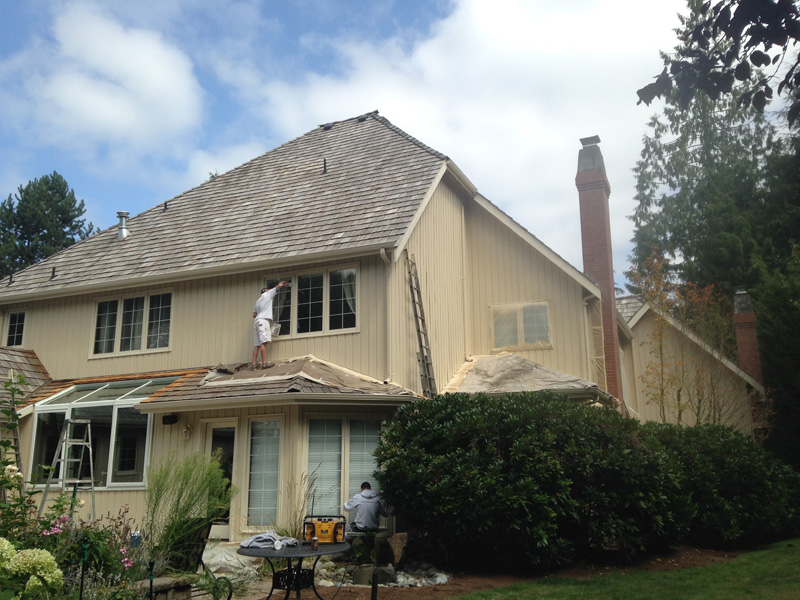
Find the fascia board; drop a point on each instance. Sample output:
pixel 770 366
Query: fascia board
pixel 403 241
pixel 539 246
pixel 274 400
pixel 187 275
pixel 703 345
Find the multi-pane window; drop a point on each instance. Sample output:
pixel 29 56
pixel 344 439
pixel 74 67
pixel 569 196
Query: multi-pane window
pixel 118 432
pixel 127 330
pixel 262 500
pixel 516 325
pixel 364 438
pixel 316 302
pixel 325 464
pixel 16 324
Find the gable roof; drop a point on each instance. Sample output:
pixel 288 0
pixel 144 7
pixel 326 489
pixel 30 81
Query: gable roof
pixel 350 187
pixel 636 307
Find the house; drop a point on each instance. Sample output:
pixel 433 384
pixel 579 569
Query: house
pixel 404 281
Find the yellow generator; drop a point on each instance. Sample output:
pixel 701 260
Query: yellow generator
pixel 327 529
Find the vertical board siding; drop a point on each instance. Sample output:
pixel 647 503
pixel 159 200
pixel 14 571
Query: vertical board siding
pixel 700 365
pixel 436 245
pixel 211 324
pixel 504 269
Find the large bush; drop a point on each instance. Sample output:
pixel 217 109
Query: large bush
pixel 525 480
pixel 740 494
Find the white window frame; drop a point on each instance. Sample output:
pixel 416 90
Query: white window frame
pixel 326 301
pixel 128 400
pixel 519 309
pixel 143 349
pixel 8 328
pixel 245 525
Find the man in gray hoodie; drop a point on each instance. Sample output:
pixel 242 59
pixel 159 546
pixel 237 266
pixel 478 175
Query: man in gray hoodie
pixel 368 507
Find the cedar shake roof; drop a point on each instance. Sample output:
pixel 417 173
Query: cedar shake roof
pixel 629 306
pixel 348 186
pixel 22 362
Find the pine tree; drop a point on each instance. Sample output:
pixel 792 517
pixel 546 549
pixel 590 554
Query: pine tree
pixel 39 220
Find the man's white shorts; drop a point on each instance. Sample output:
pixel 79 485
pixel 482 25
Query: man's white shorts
pixel 262 331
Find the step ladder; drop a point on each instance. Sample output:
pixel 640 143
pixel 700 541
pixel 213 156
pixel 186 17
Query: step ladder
pixel 424 353
pixel 71 452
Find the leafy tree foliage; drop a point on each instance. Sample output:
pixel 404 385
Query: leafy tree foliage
pixel 39 220
pixel 718 195
pixel 722 46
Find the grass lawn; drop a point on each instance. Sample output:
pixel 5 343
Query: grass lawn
pixel 771 574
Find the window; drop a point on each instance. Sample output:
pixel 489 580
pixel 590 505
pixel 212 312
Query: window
pixel 127 330
pixel 262 501
pixel 520 325
pixel 322 302
pixel 16 324
pixel 325 464
pixel 118 437
pixel 364 438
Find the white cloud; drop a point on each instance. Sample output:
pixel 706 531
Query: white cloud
pixel 507 89
pixel 106 84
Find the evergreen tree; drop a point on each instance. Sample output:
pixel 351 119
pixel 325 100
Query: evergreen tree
pixel 718 195
pixel 39 220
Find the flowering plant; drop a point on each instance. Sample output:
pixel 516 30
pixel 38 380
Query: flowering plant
pixel 28 573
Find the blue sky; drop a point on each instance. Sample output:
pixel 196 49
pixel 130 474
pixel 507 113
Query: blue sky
pixel 136 102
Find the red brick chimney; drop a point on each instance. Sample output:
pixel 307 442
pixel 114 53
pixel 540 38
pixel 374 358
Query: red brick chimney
pixel 744 322
pixel 593 193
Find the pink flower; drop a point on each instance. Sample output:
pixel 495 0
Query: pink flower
pixel 123 551
pixel 127 563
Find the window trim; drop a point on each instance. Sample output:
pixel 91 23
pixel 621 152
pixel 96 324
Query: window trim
pixel 282 468
pixel 326 330
pixel 7 328
pixel 120 300
pixel 127 400
pixel 519 307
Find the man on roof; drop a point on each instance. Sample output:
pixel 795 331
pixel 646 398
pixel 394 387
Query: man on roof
pixel 262 326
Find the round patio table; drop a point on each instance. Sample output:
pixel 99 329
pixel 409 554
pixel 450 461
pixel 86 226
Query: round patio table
pixel 294 576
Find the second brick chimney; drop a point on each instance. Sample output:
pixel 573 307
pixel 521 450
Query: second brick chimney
pixel 593 193
pixel 744 323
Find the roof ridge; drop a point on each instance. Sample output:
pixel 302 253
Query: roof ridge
pixel 410 138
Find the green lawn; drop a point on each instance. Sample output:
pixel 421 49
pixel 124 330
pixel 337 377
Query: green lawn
pixel 772 574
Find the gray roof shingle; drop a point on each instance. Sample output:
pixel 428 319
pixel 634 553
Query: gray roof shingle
pixel 341 187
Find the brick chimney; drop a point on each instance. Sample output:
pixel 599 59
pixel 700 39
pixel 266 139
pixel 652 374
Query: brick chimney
pixel 744 323
pixel 593 193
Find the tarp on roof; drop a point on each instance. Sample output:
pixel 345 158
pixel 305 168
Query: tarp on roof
pixel 508 373
pixel 305 379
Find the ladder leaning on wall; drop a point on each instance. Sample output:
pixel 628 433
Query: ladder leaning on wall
pixel 424 354
pixel 65 471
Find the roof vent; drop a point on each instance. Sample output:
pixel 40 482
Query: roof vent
pixel 122 228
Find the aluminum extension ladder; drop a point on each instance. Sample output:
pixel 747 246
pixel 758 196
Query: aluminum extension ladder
pixel 424 355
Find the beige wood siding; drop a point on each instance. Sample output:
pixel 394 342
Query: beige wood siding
pixel 437 246
pixel 703 373
pixel 211 324
pixel 504 269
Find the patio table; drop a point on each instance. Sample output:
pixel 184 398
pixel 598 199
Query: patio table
pixel 294 576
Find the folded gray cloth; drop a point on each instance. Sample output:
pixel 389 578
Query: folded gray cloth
pixel 267 540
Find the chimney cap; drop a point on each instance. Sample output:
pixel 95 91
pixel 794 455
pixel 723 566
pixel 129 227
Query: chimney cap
pixel 741 302
pixel 590 141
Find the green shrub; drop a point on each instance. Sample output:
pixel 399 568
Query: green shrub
pixel 183 498
pixel 740 493
pixel 525 479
